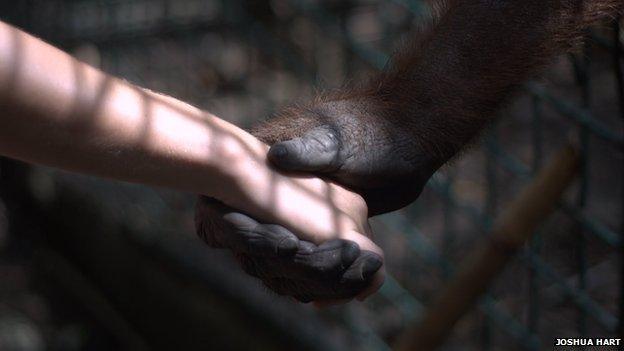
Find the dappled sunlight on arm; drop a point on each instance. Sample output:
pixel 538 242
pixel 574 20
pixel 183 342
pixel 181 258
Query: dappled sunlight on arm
pixel 63 113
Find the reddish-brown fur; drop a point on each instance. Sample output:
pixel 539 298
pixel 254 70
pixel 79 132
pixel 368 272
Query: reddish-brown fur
pixel 455 72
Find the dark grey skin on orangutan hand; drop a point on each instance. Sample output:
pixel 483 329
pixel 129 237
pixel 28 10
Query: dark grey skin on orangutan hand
pixel 334 270
pixel 354 143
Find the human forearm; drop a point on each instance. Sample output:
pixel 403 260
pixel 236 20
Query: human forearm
pixel 62 113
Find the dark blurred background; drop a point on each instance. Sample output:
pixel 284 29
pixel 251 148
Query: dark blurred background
pixel 88 264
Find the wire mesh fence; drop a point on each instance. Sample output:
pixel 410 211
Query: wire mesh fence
pixel 244 59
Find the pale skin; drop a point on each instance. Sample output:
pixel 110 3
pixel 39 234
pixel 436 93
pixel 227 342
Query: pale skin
pixel 59 112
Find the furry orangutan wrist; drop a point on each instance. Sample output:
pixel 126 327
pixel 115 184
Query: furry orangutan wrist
pixel 359 143
pixel 355 143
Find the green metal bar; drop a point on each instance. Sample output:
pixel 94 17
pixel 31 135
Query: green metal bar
pixel 535 241
pixel 582 73
pixel 410 307
pixel 515 329
pixel 579 115
pixel 491 211
pixel 417 7
pixel 448 235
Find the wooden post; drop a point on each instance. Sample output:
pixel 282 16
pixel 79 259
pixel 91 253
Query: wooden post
pixel 475 273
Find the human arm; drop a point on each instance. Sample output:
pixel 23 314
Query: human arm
pixel 60 112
